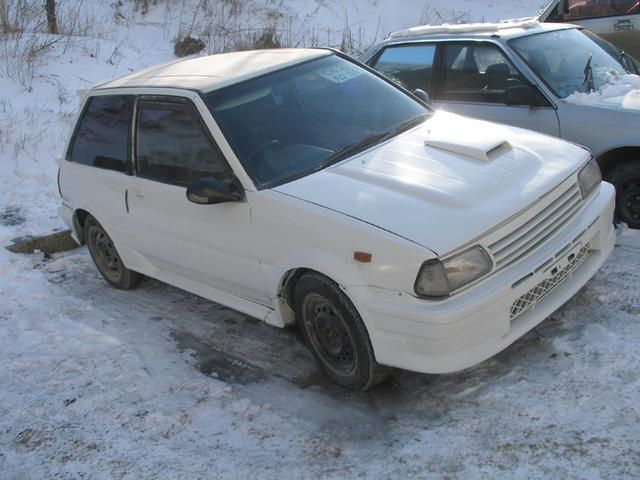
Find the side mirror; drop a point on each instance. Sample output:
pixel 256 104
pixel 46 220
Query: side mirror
pixel 422 95
pixel 521 95
pixel 213 190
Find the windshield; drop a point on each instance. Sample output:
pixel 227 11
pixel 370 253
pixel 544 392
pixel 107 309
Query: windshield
pixel 290 123
pixel 568 61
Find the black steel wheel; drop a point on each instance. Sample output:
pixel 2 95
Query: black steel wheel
pixel 626 179
pixel 106 257
pixel 335 333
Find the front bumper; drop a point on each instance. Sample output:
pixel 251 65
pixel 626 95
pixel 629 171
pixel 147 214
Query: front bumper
pixel 445 336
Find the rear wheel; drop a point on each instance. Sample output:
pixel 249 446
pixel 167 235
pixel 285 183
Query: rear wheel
pixel 626 179
pixel 335 333
pixel 106 257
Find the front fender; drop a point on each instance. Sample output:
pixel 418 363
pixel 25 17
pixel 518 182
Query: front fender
pixel 293 234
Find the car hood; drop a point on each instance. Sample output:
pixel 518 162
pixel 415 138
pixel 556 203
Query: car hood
pixel 445 182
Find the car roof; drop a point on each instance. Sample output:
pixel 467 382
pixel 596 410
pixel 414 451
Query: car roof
pixel 506 29
pixel 211 72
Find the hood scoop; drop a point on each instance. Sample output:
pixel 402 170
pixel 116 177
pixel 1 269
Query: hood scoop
pixel 478 146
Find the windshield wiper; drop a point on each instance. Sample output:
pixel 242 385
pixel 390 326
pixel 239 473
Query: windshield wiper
pixel 354 148
pixel 406 125
pixel 372 140
pixel 588 75
pixel 627 63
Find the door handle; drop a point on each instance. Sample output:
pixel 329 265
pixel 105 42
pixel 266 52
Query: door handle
pixel 621 25
pixel 138 193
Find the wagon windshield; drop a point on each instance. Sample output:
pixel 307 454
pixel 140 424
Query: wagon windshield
pixel 568 61
pixel 296 121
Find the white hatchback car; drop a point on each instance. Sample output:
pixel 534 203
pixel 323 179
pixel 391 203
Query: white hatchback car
pixel 298 186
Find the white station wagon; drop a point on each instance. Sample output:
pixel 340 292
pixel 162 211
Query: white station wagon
pixel 300 187
pixel 523 73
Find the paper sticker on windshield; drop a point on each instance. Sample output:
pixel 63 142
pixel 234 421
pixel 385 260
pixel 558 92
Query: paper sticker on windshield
pixel 340 73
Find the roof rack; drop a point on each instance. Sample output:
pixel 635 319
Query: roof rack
pixel 524 23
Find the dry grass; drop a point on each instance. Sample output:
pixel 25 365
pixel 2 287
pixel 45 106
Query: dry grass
pixel 223 25
pixel 20 53
pixel 25 39
pixel 431 16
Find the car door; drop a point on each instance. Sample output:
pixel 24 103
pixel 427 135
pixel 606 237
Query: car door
pixel 98 169
pixel 618 21
pixel 468 78
pixel 473 79
pixel 210 244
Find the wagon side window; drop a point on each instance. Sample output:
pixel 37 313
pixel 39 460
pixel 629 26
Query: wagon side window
pixel 102 136
pixel 172 145
pixel 477 72
pixel 409 65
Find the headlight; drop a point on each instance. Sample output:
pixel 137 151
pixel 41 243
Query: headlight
pixel 589 178
pixel 439 278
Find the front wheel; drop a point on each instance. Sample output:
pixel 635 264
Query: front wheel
pixel 626 179
pixel 106 257
pixel 335 333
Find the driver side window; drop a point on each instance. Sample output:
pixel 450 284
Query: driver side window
pixel 477 72
pixel 173 146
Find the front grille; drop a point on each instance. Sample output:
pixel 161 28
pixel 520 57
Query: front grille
pixel 537 230
pixel 538 292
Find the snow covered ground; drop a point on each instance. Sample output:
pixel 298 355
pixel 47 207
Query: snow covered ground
pixel 157 383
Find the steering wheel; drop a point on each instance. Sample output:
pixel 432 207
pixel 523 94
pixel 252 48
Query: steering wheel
pixel 270 144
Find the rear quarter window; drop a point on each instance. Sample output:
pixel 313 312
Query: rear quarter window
pixel 103 133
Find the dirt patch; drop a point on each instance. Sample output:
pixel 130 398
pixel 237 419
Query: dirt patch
pixel 49 244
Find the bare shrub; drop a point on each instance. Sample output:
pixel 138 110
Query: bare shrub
pixel 22 16
pixel 188 46
pixel 431 16
pixel 252 39
pixel 143 5
pixel 26 36
pixel 235 6
pixel 353 40
pixel 268 38
pixel 19 54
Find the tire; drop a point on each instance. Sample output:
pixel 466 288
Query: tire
pixel 626 179
pixel 335 333
pixel 106 257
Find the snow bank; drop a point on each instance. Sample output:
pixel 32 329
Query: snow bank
pixel 525 24
pixel 622 92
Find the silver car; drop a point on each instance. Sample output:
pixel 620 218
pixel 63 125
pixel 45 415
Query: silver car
pixel 521 74
pixel 615 20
